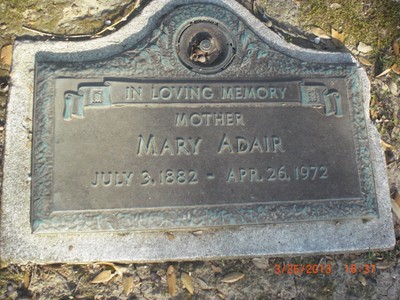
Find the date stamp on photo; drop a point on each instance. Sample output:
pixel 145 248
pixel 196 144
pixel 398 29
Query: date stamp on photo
pixel 323 269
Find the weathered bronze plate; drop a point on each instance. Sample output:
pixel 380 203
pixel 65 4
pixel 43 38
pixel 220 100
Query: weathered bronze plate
pixel 171 135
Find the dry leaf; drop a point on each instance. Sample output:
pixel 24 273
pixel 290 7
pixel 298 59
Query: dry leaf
pixel 373 114
pixel 395 68
pixel 395 47
pixel 364 61
pixel 387 145
pixel 128 284
pixel 232 277
pixel 397 199
pixel 202 59
pixel 118 269
pixel 362 279
pixel 221 295
pixel 261 263
pixel 171 280
pixel 384 87
pixel 386 265
pixel 330 258
pixel 396 210
pixel 216 269
pixel 337 37
pixel 268 23
pixel 6 56
pixel 197 233
pixel 104 263
pixel 187 282
pixel 364 48
pixel 203 285
pixel 319 32
pixel 395 131
pixel 170 236
pixel 393 87
pixel 335 6
pixel 373 101
pixel 103 277
pixel 384 73
pixel 27 279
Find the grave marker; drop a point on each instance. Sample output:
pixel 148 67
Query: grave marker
pixel 202 120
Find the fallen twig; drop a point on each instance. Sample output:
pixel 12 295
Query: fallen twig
pixel 123 19
pixel 53 35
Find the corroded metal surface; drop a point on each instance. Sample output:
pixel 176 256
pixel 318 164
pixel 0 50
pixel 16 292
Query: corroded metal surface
pixel 178 132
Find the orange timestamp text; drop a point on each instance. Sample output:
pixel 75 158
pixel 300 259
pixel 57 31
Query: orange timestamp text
pixel 325 269
pixel 299 269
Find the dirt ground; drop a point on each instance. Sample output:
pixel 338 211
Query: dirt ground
pixel 309 23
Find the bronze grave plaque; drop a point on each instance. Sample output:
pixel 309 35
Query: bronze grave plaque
pixel 202 124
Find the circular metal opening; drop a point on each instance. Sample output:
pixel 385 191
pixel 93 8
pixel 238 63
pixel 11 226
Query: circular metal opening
pixel 205 46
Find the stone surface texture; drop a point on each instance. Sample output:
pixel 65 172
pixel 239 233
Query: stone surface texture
pixel 18 244
pixel 87 9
